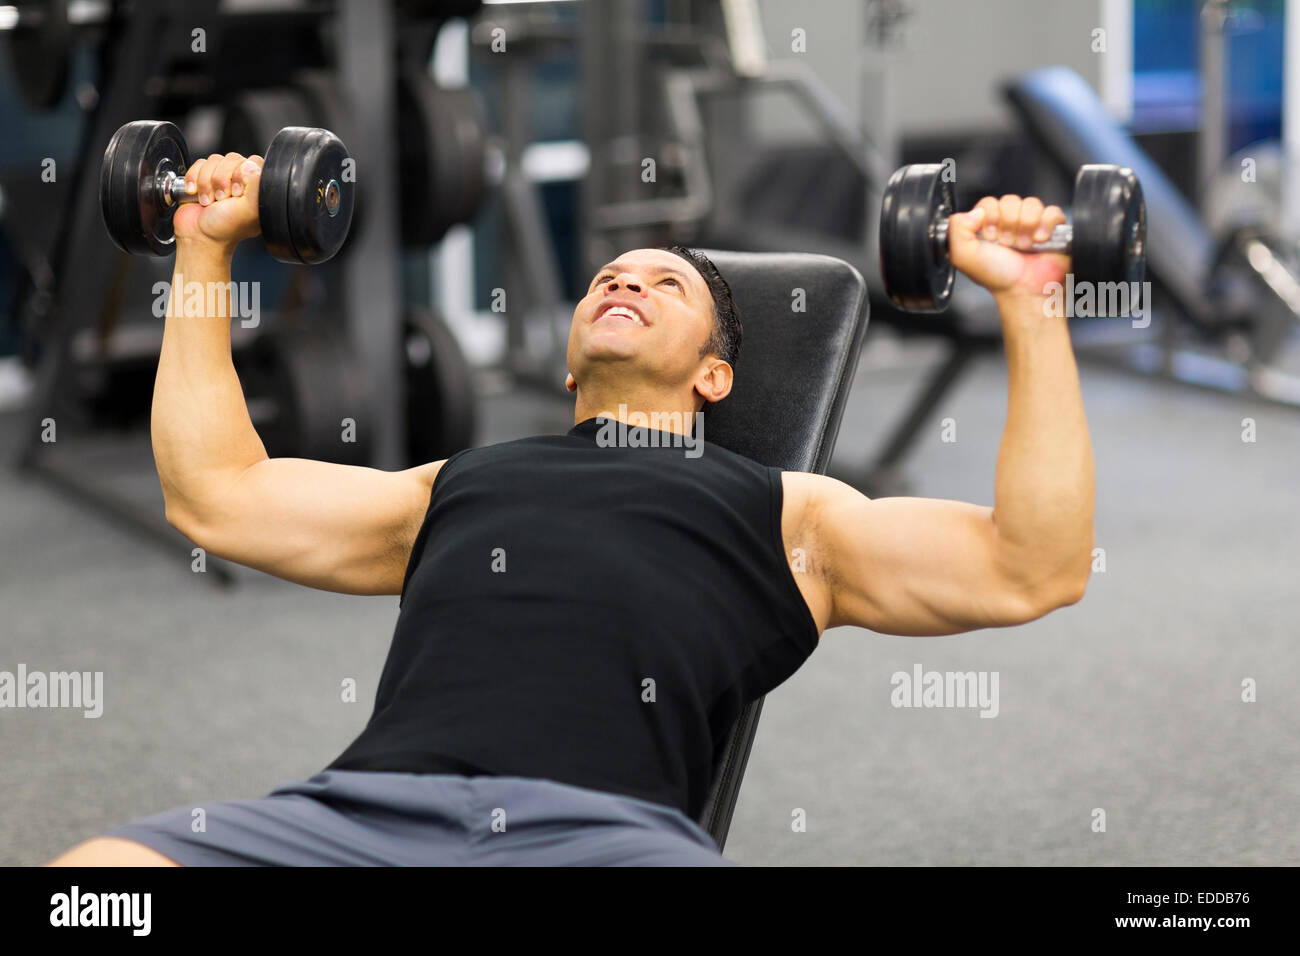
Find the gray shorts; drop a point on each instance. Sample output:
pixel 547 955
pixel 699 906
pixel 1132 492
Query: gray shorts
pixel 355 818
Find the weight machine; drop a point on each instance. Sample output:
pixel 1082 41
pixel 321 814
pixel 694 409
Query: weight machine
pixel 332 62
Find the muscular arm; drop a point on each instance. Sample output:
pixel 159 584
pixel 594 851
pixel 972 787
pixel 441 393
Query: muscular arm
pixel 335 527
pixel 921 566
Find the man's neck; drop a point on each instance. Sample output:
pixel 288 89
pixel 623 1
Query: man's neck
pixel 663 415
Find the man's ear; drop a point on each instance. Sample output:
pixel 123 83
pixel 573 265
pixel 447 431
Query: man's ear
pixel 570 382
pixel 715 383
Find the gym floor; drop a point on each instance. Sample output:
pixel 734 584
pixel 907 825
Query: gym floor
pixel 1129 701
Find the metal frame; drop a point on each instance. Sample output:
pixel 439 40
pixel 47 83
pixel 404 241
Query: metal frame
pixel 372 277
pixel 129 60
pixel 367 282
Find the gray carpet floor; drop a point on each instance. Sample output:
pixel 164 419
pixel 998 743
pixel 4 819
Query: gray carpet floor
pixel 1128 702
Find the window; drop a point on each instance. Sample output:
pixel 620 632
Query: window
pixel 1166 74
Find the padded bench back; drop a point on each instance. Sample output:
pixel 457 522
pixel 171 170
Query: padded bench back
pixel 792 381
pixel 1068 120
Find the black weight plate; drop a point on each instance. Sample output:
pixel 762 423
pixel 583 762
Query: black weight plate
pixel 329 109
pixel 304 202
pixel 137 219
pixel 1108 241
pixel 254 117
pixel 300 384
pixel 918 275
pixel 164 149
pixel 440 402
pixel 118 206
pixel 422 221
pixel 273 200
pixel 322 196
pixel 251 123
pixel 107 176
pixel 461 124
pixel 40 52
pixel 327 101
pixel 441 148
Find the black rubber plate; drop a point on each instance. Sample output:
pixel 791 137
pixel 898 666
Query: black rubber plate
pixel 918 277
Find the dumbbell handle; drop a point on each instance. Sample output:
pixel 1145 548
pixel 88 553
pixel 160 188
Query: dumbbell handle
pixel 171 186
pixel 1061 240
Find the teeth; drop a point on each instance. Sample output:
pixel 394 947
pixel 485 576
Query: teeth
pixel 626 313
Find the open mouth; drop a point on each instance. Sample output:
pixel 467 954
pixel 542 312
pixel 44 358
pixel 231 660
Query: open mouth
pixel 622 313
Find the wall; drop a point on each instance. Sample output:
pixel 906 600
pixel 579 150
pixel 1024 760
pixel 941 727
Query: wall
pixel 945 68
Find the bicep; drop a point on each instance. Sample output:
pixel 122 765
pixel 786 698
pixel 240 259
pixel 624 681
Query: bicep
pixel 915 566
pixel 336 527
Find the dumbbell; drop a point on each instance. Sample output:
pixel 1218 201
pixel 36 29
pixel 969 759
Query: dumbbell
pixel 1107 240
pixel 304 201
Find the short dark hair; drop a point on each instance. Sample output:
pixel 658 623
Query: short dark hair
pixel 724 340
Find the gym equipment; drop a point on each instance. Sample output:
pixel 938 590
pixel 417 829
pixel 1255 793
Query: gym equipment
pixel 300 385
pixel 253 117
pixel 784 412
pixel 304 203
pixel 313 98
pixel 38 34
pixel 1199 339
pixel 810 187
pixel 441 154
pixel 1233 202
pixel 440 405
pixel 1219 22
pixel 1107 240
pixel 1255 247
pixel 153 73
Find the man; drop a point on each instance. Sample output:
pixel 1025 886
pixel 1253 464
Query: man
pixel 583 618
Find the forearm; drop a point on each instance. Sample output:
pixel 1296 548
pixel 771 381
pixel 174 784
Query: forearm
pixel 1044 489
pixel 202 435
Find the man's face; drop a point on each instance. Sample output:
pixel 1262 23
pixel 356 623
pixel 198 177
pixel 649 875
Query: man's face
pixel 648 312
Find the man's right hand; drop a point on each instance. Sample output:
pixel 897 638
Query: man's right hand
pixel 226 213
pixel 991 242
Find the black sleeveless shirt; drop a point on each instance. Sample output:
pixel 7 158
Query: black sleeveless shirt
pixel 589 613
